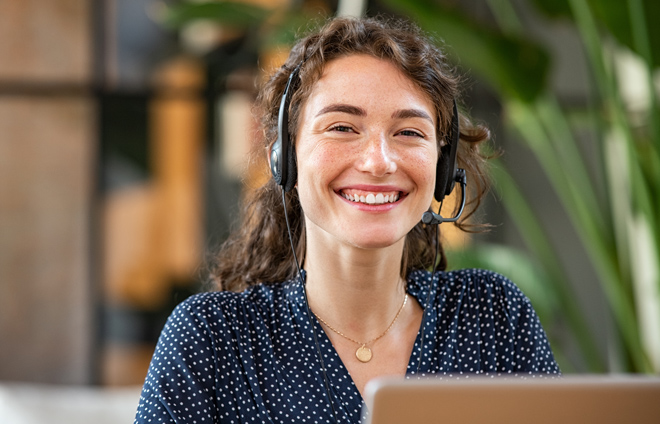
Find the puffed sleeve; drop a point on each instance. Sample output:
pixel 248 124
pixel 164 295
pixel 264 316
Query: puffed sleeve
pixel 528 350
pixel 179 387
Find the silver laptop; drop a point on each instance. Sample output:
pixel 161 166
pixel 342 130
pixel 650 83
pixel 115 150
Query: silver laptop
pixel 498 400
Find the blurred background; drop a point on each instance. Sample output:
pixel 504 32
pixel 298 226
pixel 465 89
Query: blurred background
pixel 124 132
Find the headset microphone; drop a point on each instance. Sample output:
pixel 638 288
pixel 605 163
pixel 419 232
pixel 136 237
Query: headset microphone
pixel 432 218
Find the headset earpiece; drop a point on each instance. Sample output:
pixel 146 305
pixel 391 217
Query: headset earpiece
pixel 446 171
pixel 282 154
pixel 446 174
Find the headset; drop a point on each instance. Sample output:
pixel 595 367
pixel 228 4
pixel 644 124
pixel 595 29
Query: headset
pixel 283 155
pixel 283 168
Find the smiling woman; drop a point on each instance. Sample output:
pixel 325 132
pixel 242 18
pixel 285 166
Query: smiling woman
pixel 360 126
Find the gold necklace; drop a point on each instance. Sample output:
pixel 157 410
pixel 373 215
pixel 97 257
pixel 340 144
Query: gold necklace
pixel 363 353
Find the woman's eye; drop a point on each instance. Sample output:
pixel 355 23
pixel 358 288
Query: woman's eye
pixel 341 128
pixel 410 133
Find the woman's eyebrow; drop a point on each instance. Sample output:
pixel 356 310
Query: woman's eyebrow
pixel 411 113
pixel 341 107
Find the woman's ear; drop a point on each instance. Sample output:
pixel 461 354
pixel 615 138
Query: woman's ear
pixel 269 150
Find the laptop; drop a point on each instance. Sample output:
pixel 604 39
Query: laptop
pixel 499 400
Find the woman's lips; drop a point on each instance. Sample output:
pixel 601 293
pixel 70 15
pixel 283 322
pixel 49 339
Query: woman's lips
pixel 370 198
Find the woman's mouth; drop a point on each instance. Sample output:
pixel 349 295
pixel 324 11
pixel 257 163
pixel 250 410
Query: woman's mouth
pixel 370 198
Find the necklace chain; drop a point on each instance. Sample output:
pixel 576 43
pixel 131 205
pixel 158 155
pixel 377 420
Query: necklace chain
pixel 363 350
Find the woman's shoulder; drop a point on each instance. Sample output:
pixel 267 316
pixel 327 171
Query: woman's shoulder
pixel 460 276
pixel 480 284
pixel 482 306
pixel 257 299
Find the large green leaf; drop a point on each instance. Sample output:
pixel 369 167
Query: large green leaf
pixel 615 16
pixel 514 66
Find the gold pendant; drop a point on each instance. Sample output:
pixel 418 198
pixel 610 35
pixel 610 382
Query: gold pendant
pixel 363 354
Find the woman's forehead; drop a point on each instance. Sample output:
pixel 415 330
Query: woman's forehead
pixel 366 79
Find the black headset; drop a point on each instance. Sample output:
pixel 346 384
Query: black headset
pixel 284 170
pixel 282 155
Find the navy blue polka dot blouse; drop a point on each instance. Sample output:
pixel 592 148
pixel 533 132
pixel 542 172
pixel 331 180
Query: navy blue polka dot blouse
pixel 227 357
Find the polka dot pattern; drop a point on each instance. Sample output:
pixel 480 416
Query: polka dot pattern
pixel 227 357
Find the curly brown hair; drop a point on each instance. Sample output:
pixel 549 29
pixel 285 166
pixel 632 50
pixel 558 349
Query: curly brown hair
pixel 259 250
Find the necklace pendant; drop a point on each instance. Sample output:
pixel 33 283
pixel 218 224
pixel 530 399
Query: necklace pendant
pixel 363 354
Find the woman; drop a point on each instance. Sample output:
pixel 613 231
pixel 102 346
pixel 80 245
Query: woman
pixel 370 109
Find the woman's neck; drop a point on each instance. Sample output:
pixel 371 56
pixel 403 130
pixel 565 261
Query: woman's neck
pixel 355 290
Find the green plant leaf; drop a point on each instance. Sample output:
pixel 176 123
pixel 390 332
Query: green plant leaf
pixel 234 14
pixel 536 239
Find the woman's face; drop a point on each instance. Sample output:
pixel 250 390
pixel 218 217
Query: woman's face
pixel 367 152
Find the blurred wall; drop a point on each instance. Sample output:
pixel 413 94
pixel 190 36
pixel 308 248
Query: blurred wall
pixel 47 158
pixel 91 258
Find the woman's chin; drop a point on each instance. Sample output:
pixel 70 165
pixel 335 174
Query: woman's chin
pixel 372 242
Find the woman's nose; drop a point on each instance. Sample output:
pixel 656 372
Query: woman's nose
pixel 377 156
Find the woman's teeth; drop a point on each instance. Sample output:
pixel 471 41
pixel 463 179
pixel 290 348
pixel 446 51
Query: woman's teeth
pixel 371 198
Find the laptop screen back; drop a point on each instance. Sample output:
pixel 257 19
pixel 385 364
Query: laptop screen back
pixel 566 400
